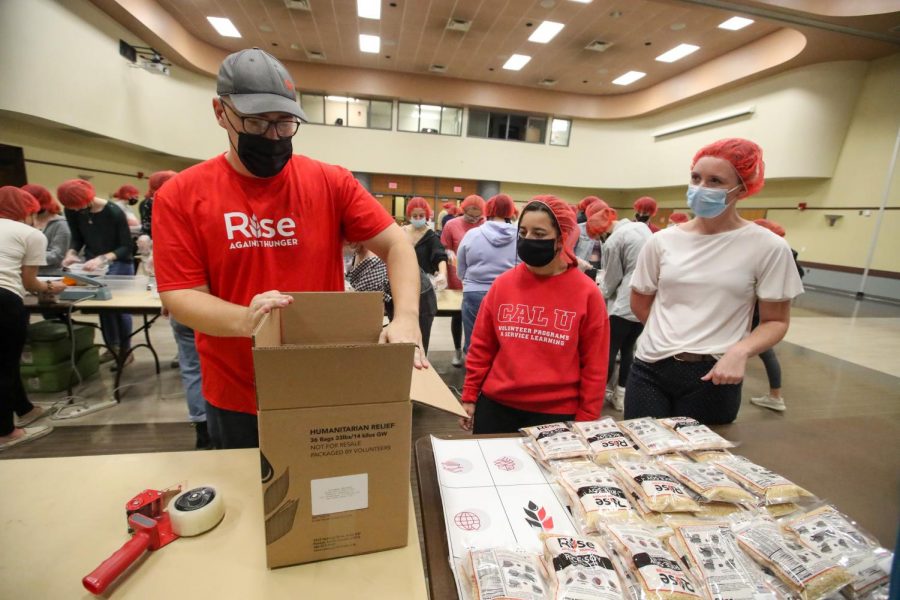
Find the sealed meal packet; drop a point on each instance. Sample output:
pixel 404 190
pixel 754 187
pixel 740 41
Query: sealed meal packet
pixel 809 574
pixel 708 455
pixel 709 481
pixel 833 535
pixel 580 569
pixel 773 488
pixel 658 490
pixel 632 589
pixel 498 573
pixel 556 440
pixel 697 435
pixel 711 552
pixel 651 437
pixel 652 564
pixel 606 440
pixel 597 496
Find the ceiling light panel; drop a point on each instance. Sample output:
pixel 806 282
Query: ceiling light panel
pixel 368 9
pixel 516 62
pixel 735 23
pixel 369 43
pixel 628 78
pixel 677 53
pixel 545 32
pixel 224 27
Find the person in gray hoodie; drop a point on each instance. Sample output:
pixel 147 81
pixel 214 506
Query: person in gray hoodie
pixel 53 225
pixel 484 254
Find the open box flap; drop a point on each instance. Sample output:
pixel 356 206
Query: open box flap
pixel 309 376
pixel 429 389
pixel 332 318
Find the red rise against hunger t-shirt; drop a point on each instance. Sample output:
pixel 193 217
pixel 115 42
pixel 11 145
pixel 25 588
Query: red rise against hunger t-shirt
pixel 540 344
pixel 242 236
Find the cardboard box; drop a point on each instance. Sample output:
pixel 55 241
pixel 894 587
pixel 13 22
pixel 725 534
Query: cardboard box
pixel 335 427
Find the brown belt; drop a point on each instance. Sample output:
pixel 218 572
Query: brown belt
pixel 693 358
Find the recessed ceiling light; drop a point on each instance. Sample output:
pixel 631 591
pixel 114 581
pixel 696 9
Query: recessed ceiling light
pixel 677 53
pixel 340 99
pixel 368 9
pixel 583 1
pixel 628 78
pixel 369 43
pixel 677 26
pixel 516 62
pixel 735 23
pixel 224 26
pixel 266 28
pixel 545 32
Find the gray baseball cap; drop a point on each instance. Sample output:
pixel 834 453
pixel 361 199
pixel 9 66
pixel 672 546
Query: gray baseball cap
pixel 257 83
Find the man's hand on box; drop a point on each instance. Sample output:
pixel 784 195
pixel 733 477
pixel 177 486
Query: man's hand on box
pixel 403 330
pixel 261 305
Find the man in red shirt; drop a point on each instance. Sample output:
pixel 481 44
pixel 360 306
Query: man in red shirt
pixel 233 231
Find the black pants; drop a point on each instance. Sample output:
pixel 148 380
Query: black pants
pixel 456 330
pixel 13 327
pixel 231 429
pixel 493 417
pixel 672 388
pixel 622 336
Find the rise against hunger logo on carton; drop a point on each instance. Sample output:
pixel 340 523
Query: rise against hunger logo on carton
pixel 249 231
pixel 535 323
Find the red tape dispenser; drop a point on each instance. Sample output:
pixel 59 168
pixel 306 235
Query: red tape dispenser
pixel 188 513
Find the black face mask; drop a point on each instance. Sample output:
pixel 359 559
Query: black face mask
pixel 536 253
pixel 582 217
pixel 262 156
pixel 642 218
pixel 132 201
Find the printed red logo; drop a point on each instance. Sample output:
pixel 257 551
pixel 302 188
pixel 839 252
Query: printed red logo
pixel 289 84
pixel 453 466
pixel 467 521
pixel 506 463
pixel 537 517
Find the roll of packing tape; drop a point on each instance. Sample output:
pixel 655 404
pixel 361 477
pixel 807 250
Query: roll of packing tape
pixel 196 511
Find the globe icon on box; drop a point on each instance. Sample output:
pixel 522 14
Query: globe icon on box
pixel 467 521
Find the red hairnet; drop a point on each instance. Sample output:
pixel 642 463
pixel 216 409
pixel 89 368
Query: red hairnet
pixel 679 218
pixel 473 200
pixel 645 205
pixel 587 201
pixel 126 191
pixel 158 179
pixel 601 221
pixel 501 206
pixel 75 194
pixel 771 226
pixel 42 195
pixel 419 202
pixel 594 207
pixel 565 220
pixel 573 208
pixel 16 204
pixel 448 206
pixel 744 156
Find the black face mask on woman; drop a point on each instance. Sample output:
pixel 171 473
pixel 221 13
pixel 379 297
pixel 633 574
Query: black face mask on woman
pixel 264 157
pixel 536 253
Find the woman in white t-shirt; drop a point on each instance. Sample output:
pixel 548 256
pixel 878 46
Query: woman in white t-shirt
pixel 22 252
pixel 695 286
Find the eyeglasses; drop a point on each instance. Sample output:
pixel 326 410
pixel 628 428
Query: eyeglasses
pixel 257 126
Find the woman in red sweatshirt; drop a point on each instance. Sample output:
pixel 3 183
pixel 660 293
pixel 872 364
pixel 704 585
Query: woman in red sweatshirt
pixel 540 344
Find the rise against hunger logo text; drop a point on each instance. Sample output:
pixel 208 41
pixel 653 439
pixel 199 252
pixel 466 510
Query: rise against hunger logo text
pixel 535 323
pixel 245 231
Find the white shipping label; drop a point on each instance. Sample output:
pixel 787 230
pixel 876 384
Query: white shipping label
pixel 339 494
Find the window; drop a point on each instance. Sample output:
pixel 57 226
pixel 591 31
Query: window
pixel 346 111
pixel 507 126
pixel 429 118
pixel 559 132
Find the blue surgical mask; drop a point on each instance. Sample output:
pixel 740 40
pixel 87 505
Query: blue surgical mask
pixel 418 223
pixel 708 203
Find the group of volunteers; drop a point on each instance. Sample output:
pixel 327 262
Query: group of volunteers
pixel 552 293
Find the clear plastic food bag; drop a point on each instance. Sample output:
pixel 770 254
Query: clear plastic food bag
pixel 772 487
pixel 506 574
pixel 606 440
pixel 556 440
pixel 580 569
pixel 709 481
pixel 697 435
pixel 597 496
pixel 651 437
pixel 659 491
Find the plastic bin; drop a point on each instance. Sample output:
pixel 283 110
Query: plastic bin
pixel 55 378
pixel 48 344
